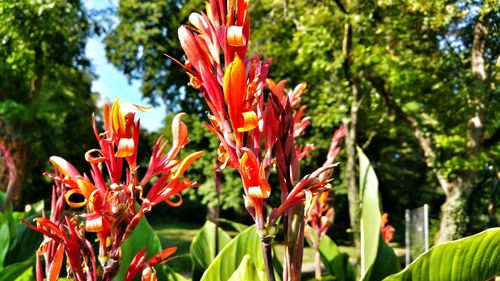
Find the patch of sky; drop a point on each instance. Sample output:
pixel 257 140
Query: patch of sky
pixel 111 83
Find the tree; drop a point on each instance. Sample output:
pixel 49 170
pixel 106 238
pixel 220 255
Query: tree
pixel 136 46
pixel 413 72
pixel 404 84
pixel 45 80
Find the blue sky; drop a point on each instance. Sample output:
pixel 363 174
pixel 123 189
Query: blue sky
pixel 112 84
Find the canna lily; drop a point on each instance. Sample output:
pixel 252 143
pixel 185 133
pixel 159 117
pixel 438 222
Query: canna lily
pixel 81 188
pixel 386 229
pixel 11 167
pixel 242 117
pixel 254 181
pixel 139 264
pixel 255 130
pixel 111 194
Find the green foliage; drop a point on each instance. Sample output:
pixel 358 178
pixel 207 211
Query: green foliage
pixel 378 260
pixel 145 32
pixel 239 227
pixel 334 261
pixel 17 245
pixel 475 257
pixel 20 271
pixel 203 249
pixel 45 80
pixel 246 271
pixel 247 243
pixel 143 236
pixel 422 59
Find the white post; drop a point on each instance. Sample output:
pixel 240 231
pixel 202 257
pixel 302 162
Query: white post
pixel 407 237
pixel 426 226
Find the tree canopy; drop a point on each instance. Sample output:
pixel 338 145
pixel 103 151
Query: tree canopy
pixel 45 79
pixel 418 91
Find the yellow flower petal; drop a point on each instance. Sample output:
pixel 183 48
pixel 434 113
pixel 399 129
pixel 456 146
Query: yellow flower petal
pixel 186 163
pixel 249 121
pixel 75 198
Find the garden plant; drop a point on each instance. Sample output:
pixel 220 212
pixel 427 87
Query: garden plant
pixel 96 227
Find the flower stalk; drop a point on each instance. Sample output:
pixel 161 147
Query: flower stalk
pixel 256 129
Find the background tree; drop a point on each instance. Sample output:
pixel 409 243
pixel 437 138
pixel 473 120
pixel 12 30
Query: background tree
pixel 147 30
pixel 415 89
pixel 45 79
pixel 403 83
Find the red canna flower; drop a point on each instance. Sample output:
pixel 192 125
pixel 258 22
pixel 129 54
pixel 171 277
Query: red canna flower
pixel 241 117
pixel 387 230
pixel 253 128
pixel 139 264
pixel 111 193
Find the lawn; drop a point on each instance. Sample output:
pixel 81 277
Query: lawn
pixel 180 235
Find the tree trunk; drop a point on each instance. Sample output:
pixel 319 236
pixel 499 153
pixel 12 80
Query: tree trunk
pixel 20 154
pixel 351 135
pixel 454 216
pixel 11 134
pixel 352 167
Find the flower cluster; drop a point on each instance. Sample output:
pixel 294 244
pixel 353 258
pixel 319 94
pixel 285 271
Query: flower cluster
pixel 114 196
pixel 254 127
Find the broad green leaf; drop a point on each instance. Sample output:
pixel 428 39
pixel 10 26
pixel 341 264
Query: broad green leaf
pixel 26 242
pixel 377 258
pixel 202 248
pixel 143 235
pixel 164 272
pixel 9 215
pixel 278 267
pixel 4 238
pixel 246 271
pixel 336 263
pixel 229 259
pixel 18 271
pixel 476 257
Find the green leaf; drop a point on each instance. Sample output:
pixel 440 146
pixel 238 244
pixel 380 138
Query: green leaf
pixel 4 238
pixel 203 250
pixel 336 263
pixel 246 271
pixel 164 272
pixel 26 242
pixel 18 271
pixel 476 257
pixel 378 260
pixel 143 235
pixel 229 259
